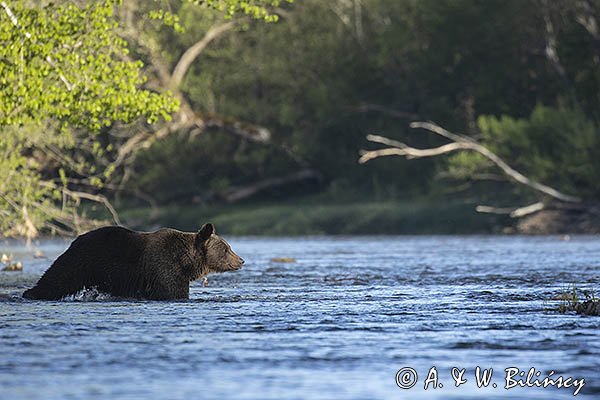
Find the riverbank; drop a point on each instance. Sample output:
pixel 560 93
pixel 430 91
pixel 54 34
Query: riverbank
pixel 312 216
pixel 560 220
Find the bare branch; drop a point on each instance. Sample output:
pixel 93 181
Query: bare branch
pixel 386 141
pixel 530 209
pixel 507 169
pixel 97 198
pixel 189 120
pixel 195 50
pixel 64 80
pixel 13 18
pixel 460 143
pixel 585 17
pixel 514 212
pixel 411 152
pixel 430 126
pixel 83 195
pixel 551 45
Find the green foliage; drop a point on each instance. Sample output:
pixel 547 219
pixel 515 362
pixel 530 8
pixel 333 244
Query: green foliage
pixel 318 215
pixel 573 298
pixel 301 78
pixel 183 169
pixel 26 200
pixel 558 146
pixel 258 9
pixel 64 75
pixel 67 63
pixel 466 165
pixel 304 78
pixel 66 79
pixel 309 79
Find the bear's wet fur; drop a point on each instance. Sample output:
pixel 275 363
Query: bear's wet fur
pixel 148 265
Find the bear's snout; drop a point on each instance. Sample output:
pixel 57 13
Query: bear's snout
pixel 238 264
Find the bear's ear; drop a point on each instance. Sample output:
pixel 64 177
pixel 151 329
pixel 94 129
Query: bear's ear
pixel 204 233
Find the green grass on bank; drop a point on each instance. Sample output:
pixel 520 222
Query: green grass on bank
pixel 310 216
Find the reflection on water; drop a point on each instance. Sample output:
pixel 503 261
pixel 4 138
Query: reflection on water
pixel 337 323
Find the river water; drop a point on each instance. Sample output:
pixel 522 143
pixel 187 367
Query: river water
pixel 338 323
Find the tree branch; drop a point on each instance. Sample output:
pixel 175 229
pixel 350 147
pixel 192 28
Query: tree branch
pixel 584 15
pixel 411 153
pixel 195 50
pixel 517 212
pixel 13 18
pixel 460 143
pixel 97 198
pixel 93 197
pixel 550 49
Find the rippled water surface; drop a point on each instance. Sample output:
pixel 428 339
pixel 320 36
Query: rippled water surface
pixel 336 324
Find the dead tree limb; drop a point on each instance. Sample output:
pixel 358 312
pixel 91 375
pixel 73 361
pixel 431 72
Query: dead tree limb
pixel 98 198
pixel 185 118
pixel 550 49
pixel 194 51
pixel 514 212
pixel 460 142
pixel 585 16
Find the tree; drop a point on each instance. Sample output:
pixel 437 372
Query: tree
pixel 547 133
pixel 67 79
pixel 481 157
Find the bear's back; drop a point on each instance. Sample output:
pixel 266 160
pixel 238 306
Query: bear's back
pixel 109 243
pixel 116 260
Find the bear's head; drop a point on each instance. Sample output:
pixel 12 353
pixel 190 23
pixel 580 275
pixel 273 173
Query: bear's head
pixel 218 255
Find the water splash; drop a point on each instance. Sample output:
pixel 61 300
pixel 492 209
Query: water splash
pixel 89 294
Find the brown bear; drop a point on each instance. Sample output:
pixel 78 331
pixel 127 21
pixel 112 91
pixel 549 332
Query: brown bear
pixel 150 265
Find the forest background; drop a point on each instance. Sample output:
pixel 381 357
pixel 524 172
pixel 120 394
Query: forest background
pixel 253 115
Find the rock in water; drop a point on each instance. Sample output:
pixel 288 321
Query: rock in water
pixel 18 266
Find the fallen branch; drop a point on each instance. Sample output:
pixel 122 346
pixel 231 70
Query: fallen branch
pixel 517 212
pixel 460 142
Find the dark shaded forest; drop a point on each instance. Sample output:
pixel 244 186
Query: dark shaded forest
pixel 273 116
